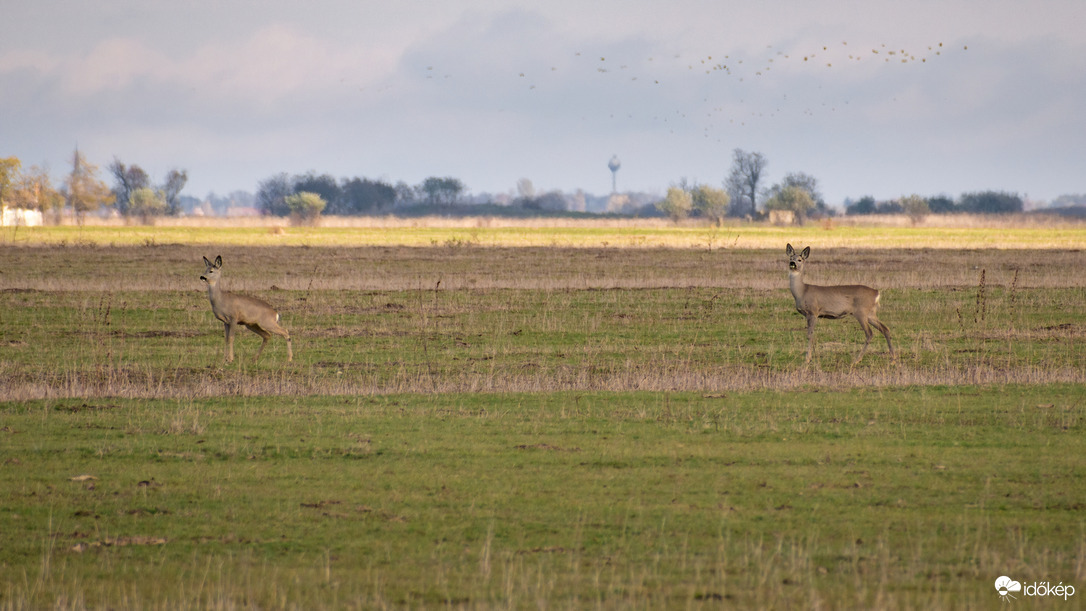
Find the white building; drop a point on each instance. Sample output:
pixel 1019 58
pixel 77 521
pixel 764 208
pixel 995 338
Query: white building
pixel 11 217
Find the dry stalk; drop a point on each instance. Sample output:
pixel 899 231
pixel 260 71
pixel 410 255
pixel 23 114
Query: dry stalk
pixel 980 311
pixel 423 327
pixel 1014 289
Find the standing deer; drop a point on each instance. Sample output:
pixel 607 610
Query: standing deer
pixel 816 302
pixel 234 309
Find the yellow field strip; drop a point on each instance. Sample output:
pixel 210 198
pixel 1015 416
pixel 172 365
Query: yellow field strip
pixel 488 232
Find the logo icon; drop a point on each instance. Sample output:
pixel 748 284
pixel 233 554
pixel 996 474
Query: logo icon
pixel 1005 585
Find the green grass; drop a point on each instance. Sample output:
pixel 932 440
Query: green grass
pixel 166 343
pixel 551 427
pixel 892 498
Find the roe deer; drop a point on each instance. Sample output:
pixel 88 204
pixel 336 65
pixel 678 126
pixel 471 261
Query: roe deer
pixel 234 309
pixel 816 302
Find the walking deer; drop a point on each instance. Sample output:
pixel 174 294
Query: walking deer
pixel 234 309
pixel 816 302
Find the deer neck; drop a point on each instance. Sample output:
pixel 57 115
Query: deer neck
pixel 798 286
pixel 215 296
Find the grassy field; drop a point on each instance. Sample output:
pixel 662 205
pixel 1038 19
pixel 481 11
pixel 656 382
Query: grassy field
pixel 558 417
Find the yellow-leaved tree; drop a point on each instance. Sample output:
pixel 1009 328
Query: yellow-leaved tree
pixel 83 190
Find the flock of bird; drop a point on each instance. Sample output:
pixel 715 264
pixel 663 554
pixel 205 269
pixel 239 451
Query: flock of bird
pixel 707 63
pixel 742 97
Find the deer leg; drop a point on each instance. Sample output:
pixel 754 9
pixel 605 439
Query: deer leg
pixel 229 330
pixel 811 320
pixel 867 335
pixel 279 330
pixel 264 335
pixel 886 333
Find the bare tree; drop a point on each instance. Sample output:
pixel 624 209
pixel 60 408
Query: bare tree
pixel 525 188
pixel 406 195
pixel 272 192
pixel 171 191
pixel 127 180
pixel 744 180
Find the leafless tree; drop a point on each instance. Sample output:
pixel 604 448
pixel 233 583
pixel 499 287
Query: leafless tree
pixel 175 181
pixel 744 180
pixel 127 180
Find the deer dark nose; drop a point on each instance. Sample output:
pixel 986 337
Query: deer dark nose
pixel 791 265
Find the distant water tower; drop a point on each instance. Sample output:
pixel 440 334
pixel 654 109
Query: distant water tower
pixel 614 164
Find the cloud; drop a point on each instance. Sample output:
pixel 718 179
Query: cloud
pixel 279 62
pixel 256 72
pixel 114 65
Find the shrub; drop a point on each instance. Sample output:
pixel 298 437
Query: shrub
pixel 305 207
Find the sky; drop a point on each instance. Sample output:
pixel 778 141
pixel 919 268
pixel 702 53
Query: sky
pixel 871 97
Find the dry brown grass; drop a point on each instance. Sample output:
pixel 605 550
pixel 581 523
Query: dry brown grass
pixel 147 383
pixel 961 221
pixel 970 221
pixel 395 268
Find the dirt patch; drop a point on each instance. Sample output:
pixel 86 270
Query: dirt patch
pixel 84 407
pixel 145 334
pixel 547 447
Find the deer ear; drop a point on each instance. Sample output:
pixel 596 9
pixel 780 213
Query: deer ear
pixel 206 262
pixel 788 251
pixel 806 252
pixel 218 260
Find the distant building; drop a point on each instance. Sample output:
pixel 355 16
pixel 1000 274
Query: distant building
pixel 782 217
pixel 12 217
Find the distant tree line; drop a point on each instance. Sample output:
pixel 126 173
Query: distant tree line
pixel 354 196
pixel 305 196
pixel 133 193
pixel 981 202
pixel 799 194
pixel 1069 200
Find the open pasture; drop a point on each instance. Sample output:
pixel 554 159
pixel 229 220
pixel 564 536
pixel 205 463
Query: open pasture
pixel 477 421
